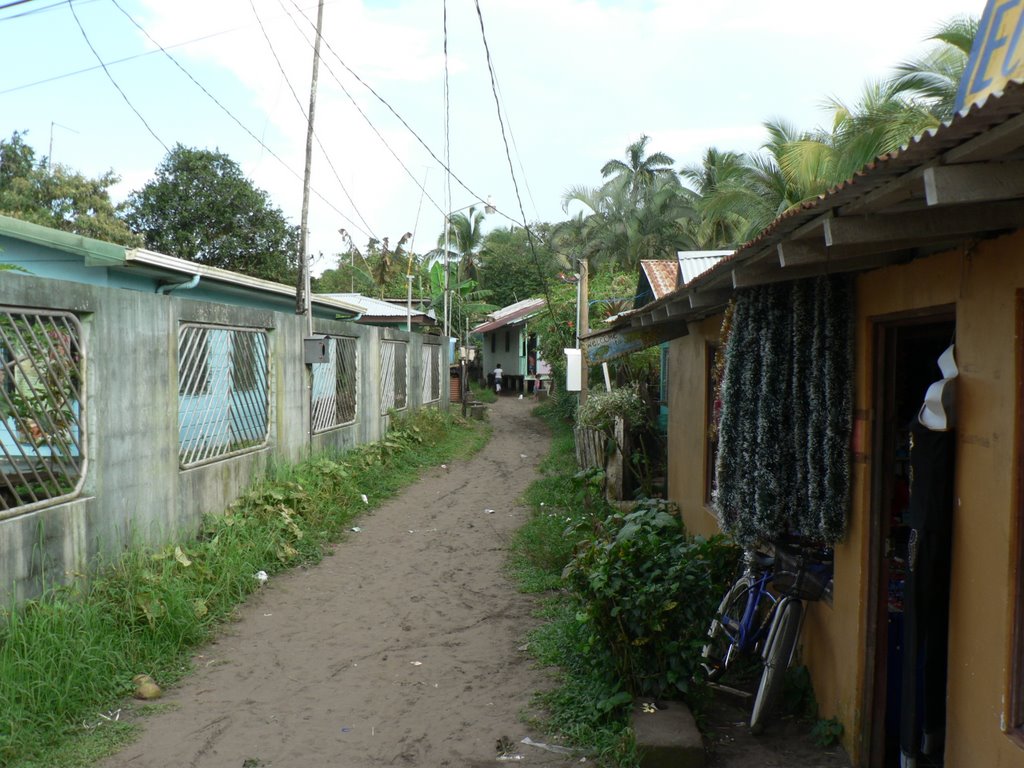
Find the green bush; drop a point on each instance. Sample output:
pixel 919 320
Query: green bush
pixel 649 592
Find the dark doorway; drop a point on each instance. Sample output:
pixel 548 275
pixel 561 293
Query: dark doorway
pixel 907 350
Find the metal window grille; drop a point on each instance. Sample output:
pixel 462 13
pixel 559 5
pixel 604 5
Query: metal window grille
pixel 335 385
pixel 223 400
pixel 393 376
pixel 42 432
pixel 431 388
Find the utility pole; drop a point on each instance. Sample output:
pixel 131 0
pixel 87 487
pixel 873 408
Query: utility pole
pixel 302 290
pixel 583 328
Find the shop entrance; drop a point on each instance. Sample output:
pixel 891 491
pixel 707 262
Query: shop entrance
pixel 906 650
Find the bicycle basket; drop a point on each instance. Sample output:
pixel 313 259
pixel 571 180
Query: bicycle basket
pixel 800 576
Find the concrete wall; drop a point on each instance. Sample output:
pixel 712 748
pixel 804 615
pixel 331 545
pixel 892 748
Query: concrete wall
pixel 134 489
pixel 983 286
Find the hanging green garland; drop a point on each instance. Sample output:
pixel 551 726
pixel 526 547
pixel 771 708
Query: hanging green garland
pixel 787 397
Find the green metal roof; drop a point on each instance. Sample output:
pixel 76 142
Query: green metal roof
pixel 97 253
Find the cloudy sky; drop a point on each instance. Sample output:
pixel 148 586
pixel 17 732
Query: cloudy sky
pixel 577 81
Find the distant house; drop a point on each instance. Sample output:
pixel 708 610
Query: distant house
pixel 382 312
pixel 509 340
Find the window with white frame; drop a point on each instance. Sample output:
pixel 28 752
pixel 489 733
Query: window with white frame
pixel 223 398
pixel 335 385
pixel 431 368
pixel 393 376
pixel 42 432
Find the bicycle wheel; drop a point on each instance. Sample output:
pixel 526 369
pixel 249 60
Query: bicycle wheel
pixel 719 650
pixel 777 655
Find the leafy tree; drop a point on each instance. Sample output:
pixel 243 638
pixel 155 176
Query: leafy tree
pixel 469 301
pixel 513 270
pixel 200 207
pixel 57 196
pixel 377 269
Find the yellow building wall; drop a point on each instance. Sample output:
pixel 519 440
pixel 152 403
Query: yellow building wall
pixel 982 285
pixel 687 405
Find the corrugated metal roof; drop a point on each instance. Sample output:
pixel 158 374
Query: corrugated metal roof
pixel 694 263
pixel 510 314
pixel 661 276
pixel 372 307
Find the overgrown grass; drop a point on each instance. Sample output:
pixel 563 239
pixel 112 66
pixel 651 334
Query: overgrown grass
pixel 628 596
pixel 72 653
pixel 588 706
pixel 482 394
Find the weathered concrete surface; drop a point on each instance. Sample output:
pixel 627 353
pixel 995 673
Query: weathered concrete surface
pixel 134 489
pixel 667 737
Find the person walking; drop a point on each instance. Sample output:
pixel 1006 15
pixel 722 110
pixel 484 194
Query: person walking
pixel 497 379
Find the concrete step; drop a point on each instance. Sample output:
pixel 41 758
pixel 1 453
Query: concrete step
pixel 667 737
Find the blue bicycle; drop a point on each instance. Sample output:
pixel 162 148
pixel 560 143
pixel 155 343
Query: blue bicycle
pixel 755 619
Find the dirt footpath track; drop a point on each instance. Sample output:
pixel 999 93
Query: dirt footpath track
pixel 400 649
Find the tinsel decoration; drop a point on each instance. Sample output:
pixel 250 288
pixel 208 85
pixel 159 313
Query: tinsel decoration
pixel 786 417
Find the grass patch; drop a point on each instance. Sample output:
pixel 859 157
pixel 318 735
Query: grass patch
pixel 482 394
pixel 588 707
pixel 72 653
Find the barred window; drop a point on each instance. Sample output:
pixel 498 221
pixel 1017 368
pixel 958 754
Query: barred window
pixel 335 385
pixel 431 389
pixel 393 376
pixel 222 392
pixel 42 432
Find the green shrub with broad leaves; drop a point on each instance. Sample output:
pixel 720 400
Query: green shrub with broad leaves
pixel 648 593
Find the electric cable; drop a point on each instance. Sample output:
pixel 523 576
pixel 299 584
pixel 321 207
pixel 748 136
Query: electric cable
pixel 71 6
pixel 511 168
pixel 366 117
pixel 369 230
pixel 230 114
pixel 14 3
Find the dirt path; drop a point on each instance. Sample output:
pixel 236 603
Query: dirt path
pixel 401 649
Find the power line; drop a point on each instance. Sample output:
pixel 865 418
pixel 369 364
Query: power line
pixel 227 111
pixel 366 117
pixel 112 61
pixel 408 127
pixel 14 3
pixel 511 169
pixel 369 230
pixel 106 71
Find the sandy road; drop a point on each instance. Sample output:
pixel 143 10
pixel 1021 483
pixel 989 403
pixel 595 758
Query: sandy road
pixel 403 648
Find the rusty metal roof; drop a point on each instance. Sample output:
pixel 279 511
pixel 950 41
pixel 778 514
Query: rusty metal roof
pixel 661 276
pixel 510 314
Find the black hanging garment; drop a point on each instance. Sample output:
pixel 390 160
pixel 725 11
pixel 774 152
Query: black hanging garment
pixel 926 593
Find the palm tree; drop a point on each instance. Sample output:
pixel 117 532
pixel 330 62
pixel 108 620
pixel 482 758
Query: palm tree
pixel 641 171
pixel 935 77
pixel 466 240
pixel 713 228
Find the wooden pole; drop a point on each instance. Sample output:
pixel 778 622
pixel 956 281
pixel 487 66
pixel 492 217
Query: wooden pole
pixel 584 327
pixel 303 288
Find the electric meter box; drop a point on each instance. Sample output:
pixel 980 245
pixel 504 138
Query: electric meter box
pixel 314 350
pixel 573 370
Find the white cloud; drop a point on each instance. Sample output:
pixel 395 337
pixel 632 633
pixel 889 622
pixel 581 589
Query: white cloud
pixel 580 79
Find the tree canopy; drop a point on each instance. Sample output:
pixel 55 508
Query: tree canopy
pixel 202 208
pixel 33 190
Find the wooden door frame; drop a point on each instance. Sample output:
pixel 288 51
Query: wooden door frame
pixel 872 733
